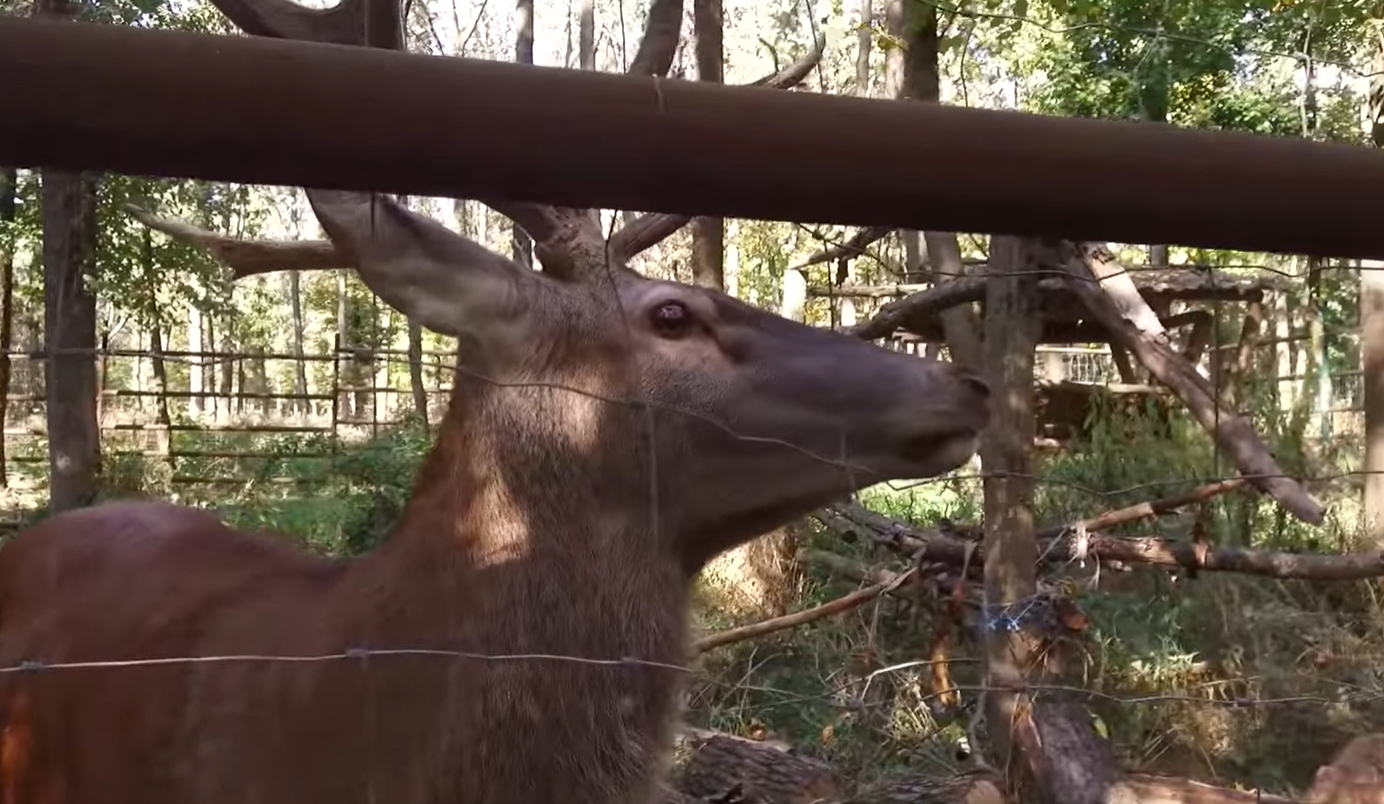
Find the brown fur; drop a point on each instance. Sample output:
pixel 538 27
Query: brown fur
pixel 545 521
pixel 1355 776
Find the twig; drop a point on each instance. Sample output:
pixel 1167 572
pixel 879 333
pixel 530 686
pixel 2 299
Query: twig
pixel 837 606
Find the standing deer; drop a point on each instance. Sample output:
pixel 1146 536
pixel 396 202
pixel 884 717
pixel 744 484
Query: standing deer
pixel 606 436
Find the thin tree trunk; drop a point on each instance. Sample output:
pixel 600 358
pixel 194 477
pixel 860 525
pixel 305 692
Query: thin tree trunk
pixel 196 373
pixel 864 39
pixel 229 367
pixel 845 312
pixel 709 234
pixel 300 365
pixel 8 191
pixel 156 346
pixel 415 370
pixel 343 342
pixel 1152 76
pixel 1372 321
pixel 916 65
pixel 161 414
pixel 521 243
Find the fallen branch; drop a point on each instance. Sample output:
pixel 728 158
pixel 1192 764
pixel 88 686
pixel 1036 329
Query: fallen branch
pixel 1062 543
pixel 867 291
pixel 841 604
pixel 1116 303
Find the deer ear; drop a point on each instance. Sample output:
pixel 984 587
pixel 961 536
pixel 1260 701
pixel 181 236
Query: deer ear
pixel 434 276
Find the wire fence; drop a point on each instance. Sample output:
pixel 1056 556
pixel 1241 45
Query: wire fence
pixel 221 410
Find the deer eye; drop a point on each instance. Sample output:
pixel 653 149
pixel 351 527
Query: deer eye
pixel 671 319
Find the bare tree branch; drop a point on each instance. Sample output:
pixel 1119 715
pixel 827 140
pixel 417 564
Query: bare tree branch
pixel 896 314
pixel 853 247
pixel 797 72
pixel 650 229
pixel 248 257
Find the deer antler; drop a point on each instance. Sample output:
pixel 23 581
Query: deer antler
pixel 567 241
pixel 647 231
pixel 249 257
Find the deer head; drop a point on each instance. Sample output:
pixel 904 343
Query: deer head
pixel 735 419
pixel 740 419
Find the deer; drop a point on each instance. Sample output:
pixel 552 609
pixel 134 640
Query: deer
pixel 522 634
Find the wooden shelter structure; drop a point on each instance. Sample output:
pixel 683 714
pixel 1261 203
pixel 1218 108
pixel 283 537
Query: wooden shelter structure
pixel 1179 296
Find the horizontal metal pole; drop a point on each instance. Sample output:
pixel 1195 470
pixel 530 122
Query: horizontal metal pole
pixel 270 111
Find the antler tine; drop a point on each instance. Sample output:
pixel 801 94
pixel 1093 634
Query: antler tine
pixel 374 23
pixel 568 241
pixel 650 229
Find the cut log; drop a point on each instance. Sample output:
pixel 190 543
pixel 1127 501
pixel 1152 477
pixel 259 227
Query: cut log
pixel 1111 296
pixel 731 769
pixel 1355 775
pixel 979 787
pixel 723 769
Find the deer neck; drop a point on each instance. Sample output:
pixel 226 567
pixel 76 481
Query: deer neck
pixel 517 512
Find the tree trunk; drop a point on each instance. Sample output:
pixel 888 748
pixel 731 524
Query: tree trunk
pixel 521 243
pixel 161 414
pixel 69 240
pixel 709 234
pixel 8 191
pixel 415 371
pixel 864 37
pixel 1012 327
pixel 343 343
pixel 69 325
pixel 1152 76
pixel 586 35
pixel 196 372
pixel 915 24
pixel 229 369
